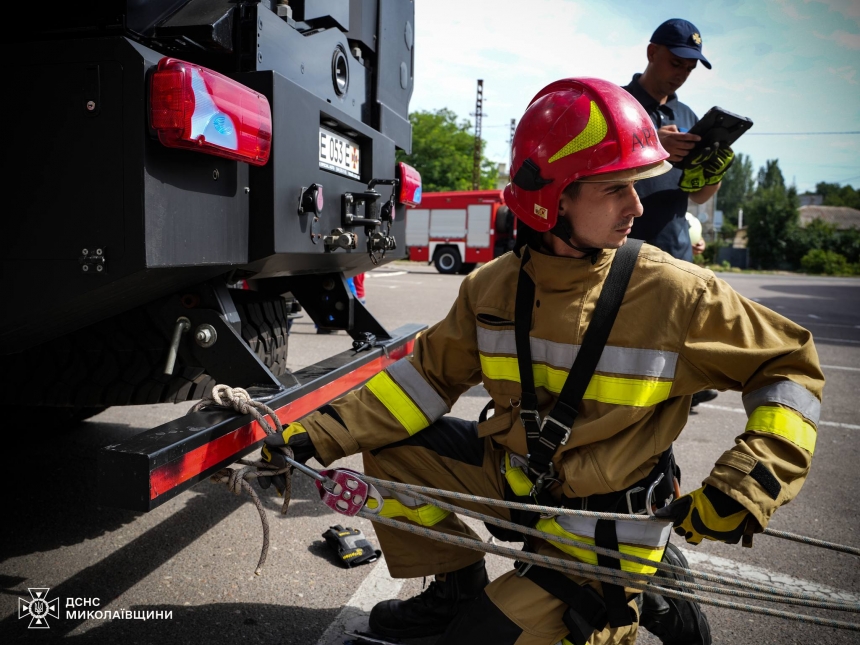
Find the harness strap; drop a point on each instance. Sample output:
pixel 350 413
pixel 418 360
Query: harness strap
pixel 586 611
pixel 616 600
pixel 523 321
pixel 544 437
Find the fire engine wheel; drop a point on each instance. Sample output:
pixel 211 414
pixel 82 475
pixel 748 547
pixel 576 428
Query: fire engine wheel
pixel 447 260
pixel 120 361
pixel 466 268
pixel 265 327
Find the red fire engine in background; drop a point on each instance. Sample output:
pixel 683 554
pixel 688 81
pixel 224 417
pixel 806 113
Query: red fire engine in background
pixel 456 230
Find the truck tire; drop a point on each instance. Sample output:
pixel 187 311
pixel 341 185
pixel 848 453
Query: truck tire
pixel 504 221
pixel 120 361
pixel 265 327
pixel 466 268
pixel 447 260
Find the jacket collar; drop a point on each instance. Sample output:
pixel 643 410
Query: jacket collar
pixel 558 273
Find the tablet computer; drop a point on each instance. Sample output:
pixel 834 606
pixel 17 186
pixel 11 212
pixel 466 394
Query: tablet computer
pixel 717 126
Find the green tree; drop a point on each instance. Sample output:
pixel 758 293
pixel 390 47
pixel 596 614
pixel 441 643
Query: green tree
pixel 770 176
pixel 836 195
pixel 827 262
pixel 735 190
pixel 773 218
pixel 818 234
pixel 442 151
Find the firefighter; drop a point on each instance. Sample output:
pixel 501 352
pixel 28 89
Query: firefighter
pixel 577 152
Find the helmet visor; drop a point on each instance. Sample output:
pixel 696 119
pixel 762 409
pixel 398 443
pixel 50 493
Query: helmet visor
pixel 631 174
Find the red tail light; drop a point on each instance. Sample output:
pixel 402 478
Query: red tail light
pixel 195 108
pixel 410 185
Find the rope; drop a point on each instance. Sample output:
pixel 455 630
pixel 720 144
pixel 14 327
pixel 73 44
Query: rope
pixel 237 479
pixel 766 592
pixel 794 537
pixel 602 574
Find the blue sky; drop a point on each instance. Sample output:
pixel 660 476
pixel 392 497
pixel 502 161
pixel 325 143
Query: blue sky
pixel 789 65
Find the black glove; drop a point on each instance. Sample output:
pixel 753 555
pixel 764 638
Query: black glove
pixel 708 513
pixel 351 546
pixel 707 169
pixel 293 436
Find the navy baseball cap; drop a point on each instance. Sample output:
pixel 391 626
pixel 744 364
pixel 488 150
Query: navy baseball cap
pixel 682 38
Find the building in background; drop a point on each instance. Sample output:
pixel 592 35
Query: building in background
pixel 840 216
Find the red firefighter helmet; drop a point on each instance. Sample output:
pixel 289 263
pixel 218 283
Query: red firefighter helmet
pixel 578 129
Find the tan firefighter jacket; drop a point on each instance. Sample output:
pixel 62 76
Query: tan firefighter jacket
pixel 680 330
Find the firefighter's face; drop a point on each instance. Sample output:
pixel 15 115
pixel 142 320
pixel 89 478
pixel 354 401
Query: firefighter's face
pixel 601 214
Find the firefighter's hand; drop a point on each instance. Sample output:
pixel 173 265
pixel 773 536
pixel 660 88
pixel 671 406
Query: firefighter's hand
pixel 708 513
pixel 293 436
pixel 708 168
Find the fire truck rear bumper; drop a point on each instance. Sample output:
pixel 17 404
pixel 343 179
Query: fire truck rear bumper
pixel 151 468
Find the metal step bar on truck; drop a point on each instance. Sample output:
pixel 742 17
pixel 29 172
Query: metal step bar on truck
pixel 144 471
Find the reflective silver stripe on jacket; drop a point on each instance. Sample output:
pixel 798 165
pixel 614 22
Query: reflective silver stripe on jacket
pixel 651 534
pixel 787 393
pixel 614 360
pixel 419 390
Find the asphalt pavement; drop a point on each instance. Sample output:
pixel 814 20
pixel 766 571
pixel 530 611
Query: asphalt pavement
pixel 193 558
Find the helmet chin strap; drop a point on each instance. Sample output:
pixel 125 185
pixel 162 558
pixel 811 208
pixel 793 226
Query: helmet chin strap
pixel 563 230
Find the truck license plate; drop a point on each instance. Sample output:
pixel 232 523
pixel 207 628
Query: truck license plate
pixel 339 154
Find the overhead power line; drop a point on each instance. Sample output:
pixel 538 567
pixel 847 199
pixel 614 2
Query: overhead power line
pixel 749 134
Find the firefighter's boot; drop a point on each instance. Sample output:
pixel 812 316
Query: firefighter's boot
pixel 429 613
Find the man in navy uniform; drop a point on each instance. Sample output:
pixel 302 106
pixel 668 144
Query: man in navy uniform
pixel 674 52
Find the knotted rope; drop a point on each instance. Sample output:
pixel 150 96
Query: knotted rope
pixel 238 479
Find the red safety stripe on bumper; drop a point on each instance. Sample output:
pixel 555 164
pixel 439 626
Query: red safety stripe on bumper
pixel 166 477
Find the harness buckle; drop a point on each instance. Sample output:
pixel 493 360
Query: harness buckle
pixel 630 492
pixel 530 419
pixel 560 425
pixel 542 478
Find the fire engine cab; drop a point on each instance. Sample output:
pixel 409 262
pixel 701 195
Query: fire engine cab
pixel 456 230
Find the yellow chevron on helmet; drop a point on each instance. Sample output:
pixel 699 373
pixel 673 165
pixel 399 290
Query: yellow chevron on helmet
pixel 594 132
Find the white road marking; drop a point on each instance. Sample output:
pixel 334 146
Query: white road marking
pixel 385 274
pixel 841 367
pixel 724 408
pixel 733 569
pixel 378 585
pixel 822 324
pixel 813 316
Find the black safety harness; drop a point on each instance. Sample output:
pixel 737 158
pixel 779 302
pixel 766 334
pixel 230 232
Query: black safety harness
pixel 587 610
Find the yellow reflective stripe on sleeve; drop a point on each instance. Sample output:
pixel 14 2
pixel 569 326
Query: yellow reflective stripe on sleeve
pixel 425 515
pixel 784 423
pixel 398 403
pixel 517 479
pixel 640 393
pixel 549 525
